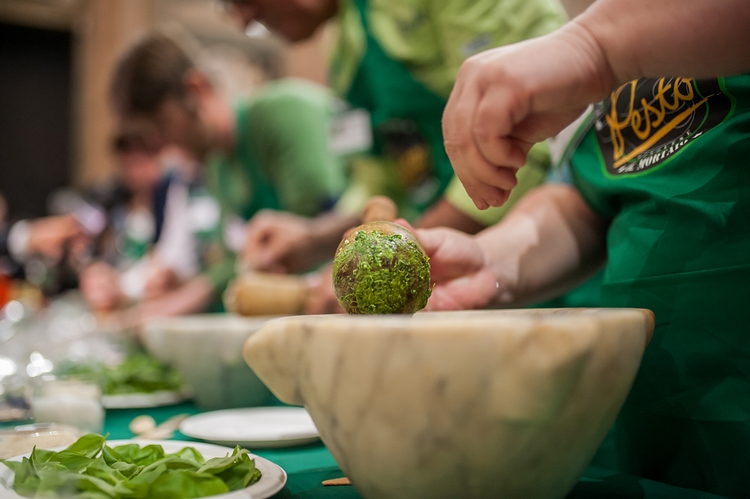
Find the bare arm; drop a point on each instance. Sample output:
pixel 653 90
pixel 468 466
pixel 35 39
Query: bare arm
pixel 506 99
pixel 192 297
pixel 550 242
pixel 283 242
pixel 444 214
pixel 695 38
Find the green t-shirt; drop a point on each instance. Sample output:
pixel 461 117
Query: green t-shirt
pixel 399 59
pixel 667 161
pixel 281 159
pixel 281 146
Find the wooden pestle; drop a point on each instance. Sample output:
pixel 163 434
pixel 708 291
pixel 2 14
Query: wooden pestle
pixel 379 214
pixel 259 293
pixel 379 273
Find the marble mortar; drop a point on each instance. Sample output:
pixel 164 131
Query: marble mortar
pixel 206 349
pixel 502 404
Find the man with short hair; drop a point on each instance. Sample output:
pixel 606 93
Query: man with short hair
pixel 271 152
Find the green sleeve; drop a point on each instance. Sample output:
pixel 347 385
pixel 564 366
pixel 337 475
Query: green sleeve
pixel 289 130
pixel 530 176
pixel 432 38
pixel 466 27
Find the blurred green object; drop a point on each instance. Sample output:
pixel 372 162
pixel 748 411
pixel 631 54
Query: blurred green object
pixel 140 373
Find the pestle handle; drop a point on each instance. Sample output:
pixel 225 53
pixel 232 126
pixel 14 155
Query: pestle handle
pixel 379 209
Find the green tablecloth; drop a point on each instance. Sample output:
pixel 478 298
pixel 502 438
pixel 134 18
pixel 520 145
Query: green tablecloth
pixel 307 466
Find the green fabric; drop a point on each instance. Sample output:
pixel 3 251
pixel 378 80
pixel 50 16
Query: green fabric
pixel 669 164
pixel 307 466
pixel 281 157
pixel 399 60
pixel 288 127
pixel 432 38
pixel 281 161
pixel 406 118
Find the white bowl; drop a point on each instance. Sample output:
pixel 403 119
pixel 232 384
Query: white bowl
pixel 508 404
pixel 207 350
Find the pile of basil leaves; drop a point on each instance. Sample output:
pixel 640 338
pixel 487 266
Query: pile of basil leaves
pixel 90 469
pixel 139 373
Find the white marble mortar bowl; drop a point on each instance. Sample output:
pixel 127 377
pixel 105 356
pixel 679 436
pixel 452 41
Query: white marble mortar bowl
pixel 502 404
pixel 207 351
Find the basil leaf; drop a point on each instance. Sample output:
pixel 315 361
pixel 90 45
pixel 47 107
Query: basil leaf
pixel 191 454
pixel 181 484
pixel 135 454
pixel 89 469
pixel 219 464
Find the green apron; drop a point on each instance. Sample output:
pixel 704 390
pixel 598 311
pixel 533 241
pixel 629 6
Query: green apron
pixel 406 118
pixel 238 181
pixel 667 160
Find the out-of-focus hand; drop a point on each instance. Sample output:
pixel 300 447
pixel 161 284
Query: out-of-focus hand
pixel 321 298
pixel 100 287
pixel 459 270
pixel 160 281
pixel 278 242
pixel 48 236
pixel 509 98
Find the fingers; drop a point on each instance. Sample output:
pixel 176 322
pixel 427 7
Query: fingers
pixel 261 246
pixel 497 114
pixel 475 291
pixel 321 298
pixel 486 183
pixel 478 130
pixel 453 254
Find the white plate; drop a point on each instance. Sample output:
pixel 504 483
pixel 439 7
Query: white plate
pixel 257 427
pixel 272 480
pixel 142 400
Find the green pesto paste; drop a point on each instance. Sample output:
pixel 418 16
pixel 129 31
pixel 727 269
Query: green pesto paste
pixel 381 273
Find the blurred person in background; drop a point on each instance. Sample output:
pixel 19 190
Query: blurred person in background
pixel 134 207
pixel 148 248
pixel 269 152
pixel 398 60
pixel 48 251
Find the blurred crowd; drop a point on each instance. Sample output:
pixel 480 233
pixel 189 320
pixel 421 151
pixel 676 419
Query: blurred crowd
pixel 212 180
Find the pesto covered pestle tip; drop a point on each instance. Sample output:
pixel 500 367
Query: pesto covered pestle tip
pixel 380 267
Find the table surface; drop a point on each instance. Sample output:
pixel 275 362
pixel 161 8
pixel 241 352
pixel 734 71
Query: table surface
pixel 308 465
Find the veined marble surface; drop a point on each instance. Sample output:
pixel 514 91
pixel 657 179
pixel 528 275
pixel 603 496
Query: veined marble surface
pixel 206 349
pixel 509 404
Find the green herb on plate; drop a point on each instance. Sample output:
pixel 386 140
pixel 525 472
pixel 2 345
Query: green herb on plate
pixel 90 469
pixel 140 373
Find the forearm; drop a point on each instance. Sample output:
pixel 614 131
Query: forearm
pixel 192 297
pixel 444 214
pixel 549 243
pixel 327 230
pixel 694 38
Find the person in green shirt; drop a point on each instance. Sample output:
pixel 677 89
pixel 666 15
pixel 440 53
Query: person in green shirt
pixel 398 60
pixel 660 198
pixel 271 152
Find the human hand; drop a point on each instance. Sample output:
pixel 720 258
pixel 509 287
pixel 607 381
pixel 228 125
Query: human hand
pixel 160 280
pixel 100 286
pixel 278 242
pixel 321 298
pixel 458 268
pixel 48 236
pixel 509 98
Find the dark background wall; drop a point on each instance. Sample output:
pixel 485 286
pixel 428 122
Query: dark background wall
pixel 35 116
